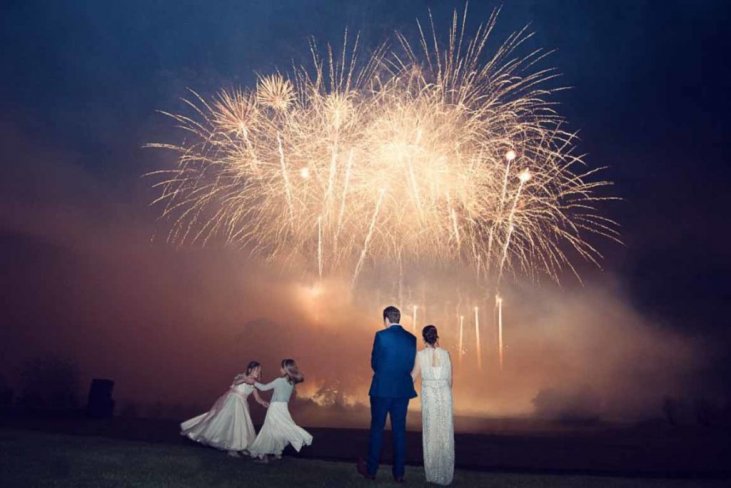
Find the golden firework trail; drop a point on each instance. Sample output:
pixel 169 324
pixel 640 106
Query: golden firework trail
pixel 478 343
pixel 432 150
pixel 461 338
pixel 499 306
pixel 414 310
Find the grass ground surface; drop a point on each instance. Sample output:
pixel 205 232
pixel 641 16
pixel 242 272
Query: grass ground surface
pixel 35 459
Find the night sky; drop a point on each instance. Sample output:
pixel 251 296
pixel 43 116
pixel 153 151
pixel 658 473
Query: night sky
pixel 82 81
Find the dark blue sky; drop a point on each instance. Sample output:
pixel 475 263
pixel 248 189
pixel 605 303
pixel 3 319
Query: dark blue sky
pixel 82 80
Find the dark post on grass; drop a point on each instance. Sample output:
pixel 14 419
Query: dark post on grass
pixel 100 404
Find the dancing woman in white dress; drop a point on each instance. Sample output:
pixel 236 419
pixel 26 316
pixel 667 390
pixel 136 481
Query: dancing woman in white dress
pixel 279 429
pixel 227 425
pixel 435 368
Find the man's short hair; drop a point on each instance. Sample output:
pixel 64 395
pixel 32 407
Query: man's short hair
pixel 392 313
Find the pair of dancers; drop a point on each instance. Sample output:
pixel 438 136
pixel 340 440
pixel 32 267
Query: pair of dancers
pixel 227 425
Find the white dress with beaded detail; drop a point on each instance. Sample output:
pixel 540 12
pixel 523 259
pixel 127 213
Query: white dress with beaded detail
pixel 436 414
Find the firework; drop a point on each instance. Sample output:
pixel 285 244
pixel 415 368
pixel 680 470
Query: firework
pixel 478 344
pixel 414 309
pixel 461 338
pixel 499 306
pixel 430 150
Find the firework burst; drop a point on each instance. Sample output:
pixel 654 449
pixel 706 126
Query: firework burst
pixel 429 150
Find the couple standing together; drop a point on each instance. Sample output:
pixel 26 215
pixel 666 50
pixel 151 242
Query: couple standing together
pixel 396 365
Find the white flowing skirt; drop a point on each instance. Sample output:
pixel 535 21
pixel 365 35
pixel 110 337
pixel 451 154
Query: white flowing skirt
pixel 227 425
pixel 437 431
pixel 279 430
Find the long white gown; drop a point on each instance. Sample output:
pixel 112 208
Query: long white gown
pixel 436 414
pixel 227 425
pixel 279 428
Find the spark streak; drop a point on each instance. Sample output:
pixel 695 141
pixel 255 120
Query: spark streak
pixel 499 305
pixel 319 246
pixel 461 338
pixel 285 179
pixel 368 237
pixel 477 338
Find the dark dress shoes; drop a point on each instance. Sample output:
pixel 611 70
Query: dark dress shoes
pixel 362 468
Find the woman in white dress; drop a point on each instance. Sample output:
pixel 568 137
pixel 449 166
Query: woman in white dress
pixel 227 425
pixel 279 429
pixel 435 368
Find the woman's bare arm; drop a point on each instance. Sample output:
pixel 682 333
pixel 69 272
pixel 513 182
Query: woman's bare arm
pixel 416 371
pixel 449 366
pixel 241 378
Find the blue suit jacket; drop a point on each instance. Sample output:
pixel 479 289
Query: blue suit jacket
pixel 392 359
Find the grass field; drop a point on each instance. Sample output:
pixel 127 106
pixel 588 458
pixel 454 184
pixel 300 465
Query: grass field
pixel 34 459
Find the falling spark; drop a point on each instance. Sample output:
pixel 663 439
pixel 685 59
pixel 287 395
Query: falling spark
pixel 499 305
pixel 400 282
pixel 364 250
pixel 477 338
pixel 285 179
pixel 319 246
pixel 299 163
pixel 413 321
pixel 523 178
pixel 461 338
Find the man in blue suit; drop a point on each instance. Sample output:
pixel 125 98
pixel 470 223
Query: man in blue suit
pixel 392 359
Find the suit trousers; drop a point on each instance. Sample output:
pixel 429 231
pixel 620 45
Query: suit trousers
pixel 395 408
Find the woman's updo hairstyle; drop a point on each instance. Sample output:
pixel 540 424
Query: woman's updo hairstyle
pixel 251 367
pixel 429 333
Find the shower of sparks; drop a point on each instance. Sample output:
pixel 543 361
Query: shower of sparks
pixel 433 150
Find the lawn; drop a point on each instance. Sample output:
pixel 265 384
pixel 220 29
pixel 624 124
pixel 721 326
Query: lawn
pixel 34 459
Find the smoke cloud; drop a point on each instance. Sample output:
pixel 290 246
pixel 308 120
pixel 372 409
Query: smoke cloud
pixel 87 279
